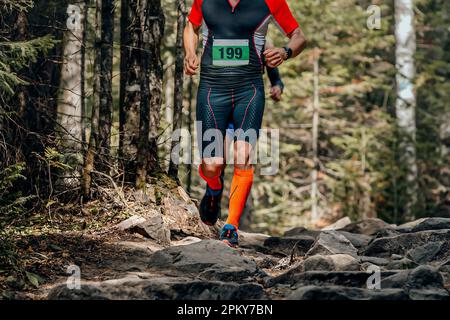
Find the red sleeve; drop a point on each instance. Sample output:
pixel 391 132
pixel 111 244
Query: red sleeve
pixel 282 15
pixel 196 15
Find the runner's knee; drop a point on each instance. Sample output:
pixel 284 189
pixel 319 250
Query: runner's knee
pixel 212 167
pixel 242 153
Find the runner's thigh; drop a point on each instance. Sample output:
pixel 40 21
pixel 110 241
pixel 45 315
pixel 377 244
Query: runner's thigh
pixel 214 107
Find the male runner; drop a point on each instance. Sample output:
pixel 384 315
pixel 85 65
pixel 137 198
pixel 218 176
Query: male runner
pixel 232 90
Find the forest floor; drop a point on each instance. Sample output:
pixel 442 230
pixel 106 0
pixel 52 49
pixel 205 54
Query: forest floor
pixel 131 246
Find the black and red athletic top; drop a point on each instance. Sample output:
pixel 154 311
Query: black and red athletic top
pixel 234 36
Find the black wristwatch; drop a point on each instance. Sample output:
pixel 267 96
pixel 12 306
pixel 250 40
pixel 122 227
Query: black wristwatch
pixel 288 52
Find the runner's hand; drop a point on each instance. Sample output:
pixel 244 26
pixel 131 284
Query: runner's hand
pixel 275 93
pixel 191 64
pixel 275 57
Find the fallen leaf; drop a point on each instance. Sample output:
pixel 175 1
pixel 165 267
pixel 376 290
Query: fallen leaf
pixel 54 247
pixel 33 278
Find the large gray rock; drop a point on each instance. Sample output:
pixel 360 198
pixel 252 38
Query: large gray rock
pixel 368 227
pixel 400 244
pixel 422 283
pixel 182 218
pixel 336 262
pixel 374 260
pixel 425 224
pixel 286 245
pixel 186 241
pixel 400 264
pixel 130 222
pixel 359 241
pixel 301 231
pixel 163 288
pixel 422 277
pixel 345 293
pixel 383 233
pixel 426 253
pixel 297 278
pixel 425 277
pixel 208 259
pixel 444 269
pixel 151 226
pixel 341 223
pixel 429 294
pixel 252 240
pixel 332 242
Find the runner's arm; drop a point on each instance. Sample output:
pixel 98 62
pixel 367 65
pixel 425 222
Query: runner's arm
pixel 273 73
pixel 297 42
pixel 274 77
pixel 286 21
pixel 191 39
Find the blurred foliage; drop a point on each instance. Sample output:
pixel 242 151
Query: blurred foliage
pixel 14 57
pixel 11 202
pixel 433 100
pixel 17 55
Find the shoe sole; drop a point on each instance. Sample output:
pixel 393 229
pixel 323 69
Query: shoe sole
pixel 208 223
pixel 205 221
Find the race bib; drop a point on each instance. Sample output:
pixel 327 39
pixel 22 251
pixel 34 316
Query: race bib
pixel 230 53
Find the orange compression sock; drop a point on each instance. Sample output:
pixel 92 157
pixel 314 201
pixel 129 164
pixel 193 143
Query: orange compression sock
pixel 240 189
pixel 214 182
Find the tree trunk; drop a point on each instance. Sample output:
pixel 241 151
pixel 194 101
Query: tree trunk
pixel 152 26
pixel 69 108
pixel 106 101
pixel 94 135
pixel 20 28
pixel 178 86
pixel 315 215
pixel 124 52
pixel 144 123
pixel 405 106
pixel 130 89
pixel 444 134
pixel 156 26
pixel 83 75
pixel 168 99
pixel 191 130
pixel 168 92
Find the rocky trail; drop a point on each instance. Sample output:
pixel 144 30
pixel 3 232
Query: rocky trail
pixel 166 253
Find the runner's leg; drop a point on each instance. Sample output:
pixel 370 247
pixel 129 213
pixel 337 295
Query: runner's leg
pixel 247 116
pixel 213 112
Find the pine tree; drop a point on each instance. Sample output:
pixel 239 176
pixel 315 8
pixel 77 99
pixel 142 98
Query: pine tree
pixel 94 144
pixel 178 85
pixel 19 50
pixel 106 99
pixel 152 28
pixel 130 89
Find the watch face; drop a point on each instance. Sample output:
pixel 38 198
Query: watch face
pixel 288 52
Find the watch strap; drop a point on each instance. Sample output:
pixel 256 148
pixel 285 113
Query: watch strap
pixel 288 52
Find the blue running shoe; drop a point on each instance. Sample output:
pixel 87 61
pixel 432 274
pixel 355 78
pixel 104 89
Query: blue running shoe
pixel 229 235
pixel 210 205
